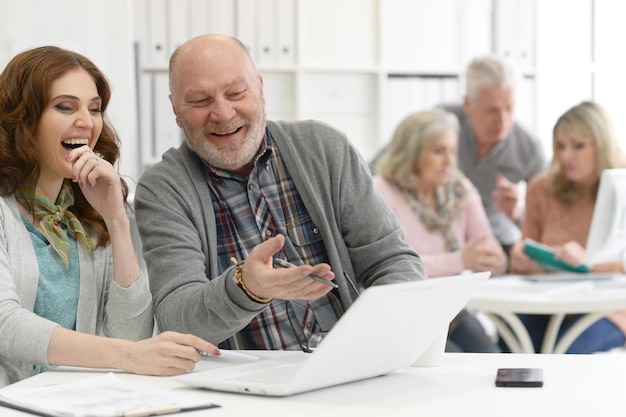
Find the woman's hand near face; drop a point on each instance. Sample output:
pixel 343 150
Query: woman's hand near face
pixel 99 182
pixel 102 187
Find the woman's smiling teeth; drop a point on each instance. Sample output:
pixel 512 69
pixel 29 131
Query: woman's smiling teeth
pixel 74 143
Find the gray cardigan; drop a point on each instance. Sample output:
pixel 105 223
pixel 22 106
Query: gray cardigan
pixel 104 308
pixel 177 227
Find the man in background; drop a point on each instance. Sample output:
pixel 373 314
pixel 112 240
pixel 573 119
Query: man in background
pixel 494 151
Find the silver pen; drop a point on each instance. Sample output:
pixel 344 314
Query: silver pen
pixel 284 264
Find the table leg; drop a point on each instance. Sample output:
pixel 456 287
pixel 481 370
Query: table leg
pixel 577 328
pixel 512 331
pixel 552 331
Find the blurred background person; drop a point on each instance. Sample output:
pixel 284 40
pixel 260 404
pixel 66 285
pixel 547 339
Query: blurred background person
pixel 495 152
pixel 440 211
pixel 559 209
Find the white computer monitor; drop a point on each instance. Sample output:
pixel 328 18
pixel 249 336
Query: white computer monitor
pixel 607 236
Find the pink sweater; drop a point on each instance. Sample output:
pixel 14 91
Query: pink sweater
pixel 430 244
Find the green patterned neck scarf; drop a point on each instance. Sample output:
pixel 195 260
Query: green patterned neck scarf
pixel 52 215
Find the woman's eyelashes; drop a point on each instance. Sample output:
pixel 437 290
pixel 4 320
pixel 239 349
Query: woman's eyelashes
pixel 65 108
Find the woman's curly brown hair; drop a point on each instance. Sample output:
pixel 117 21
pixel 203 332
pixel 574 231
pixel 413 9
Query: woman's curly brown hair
pixel 25 86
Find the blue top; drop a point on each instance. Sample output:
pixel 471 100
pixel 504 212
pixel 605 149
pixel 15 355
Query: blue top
pixel 58 287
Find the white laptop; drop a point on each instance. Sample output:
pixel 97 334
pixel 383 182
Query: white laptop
pixel 386 328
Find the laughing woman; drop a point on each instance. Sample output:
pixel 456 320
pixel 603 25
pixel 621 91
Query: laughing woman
pixel 71 290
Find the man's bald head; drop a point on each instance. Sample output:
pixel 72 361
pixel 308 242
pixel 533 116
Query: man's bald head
pixel 211 46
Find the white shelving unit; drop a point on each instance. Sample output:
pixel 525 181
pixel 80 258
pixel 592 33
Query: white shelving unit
pixel 574 55
pixel 360 65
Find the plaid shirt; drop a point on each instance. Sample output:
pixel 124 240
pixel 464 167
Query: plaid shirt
pixel 251 210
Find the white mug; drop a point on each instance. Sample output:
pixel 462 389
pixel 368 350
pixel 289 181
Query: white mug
pixel 433 355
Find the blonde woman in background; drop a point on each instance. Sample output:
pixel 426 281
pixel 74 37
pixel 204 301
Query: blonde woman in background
pixel 559 209
pixel 440 210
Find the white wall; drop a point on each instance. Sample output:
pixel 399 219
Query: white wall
pixel 580 57
pixel 102 30
pixel 610 61
pixel 563 60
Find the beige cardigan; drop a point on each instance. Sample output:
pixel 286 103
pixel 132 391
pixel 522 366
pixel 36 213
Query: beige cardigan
pixel 104 308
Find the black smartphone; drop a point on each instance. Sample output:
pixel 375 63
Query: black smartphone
pixel 519 377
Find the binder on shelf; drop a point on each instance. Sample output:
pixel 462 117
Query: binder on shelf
pixel 505 26
pixel 424 92
pixel 415 90
pixel 525 33
pixel 275 32
pixel 166 132
pixel 246 25
pixel 141 28
pixel 145 114
pixel 198 17
pixel 157 51
pixel 267 23
pixel 476 28
pixel 450 92
pixel 514 30
pixel 222 17
pixel 399 104
pixel 407 94
pixel 178 27
pixel 286 34
pixel 431 91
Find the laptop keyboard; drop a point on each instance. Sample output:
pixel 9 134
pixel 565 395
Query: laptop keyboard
pixel 270 376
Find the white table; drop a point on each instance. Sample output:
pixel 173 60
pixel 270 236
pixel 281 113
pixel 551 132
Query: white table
pixel 502 298
pixel 574 385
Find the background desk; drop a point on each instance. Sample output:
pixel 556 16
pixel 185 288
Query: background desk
pixel 575 385
pixel 502 298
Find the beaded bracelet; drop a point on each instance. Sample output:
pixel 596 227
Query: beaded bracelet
pixel 240 284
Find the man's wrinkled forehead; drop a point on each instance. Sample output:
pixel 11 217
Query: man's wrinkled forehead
pixel 210 67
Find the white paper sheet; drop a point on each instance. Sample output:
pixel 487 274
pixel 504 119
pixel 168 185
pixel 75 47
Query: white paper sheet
pixel 102 396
